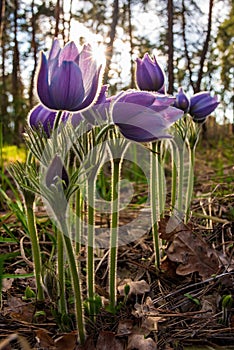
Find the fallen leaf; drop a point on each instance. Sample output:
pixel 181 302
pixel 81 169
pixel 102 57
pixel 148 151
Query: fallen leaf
pixel 136 287
pixel 7 284
pixel 44 339
pixel 191 252
pixel 18 309
pixel 151 324
pixel 125 327
pixel 88 345
pixel 138 342
pixel 170 226
pixel 107 341
pixel 66 341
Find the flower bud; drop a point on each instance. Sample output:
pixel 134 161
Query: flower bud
pixel 56 173
pixel 42 117
pixel 149 74
pixel 182 102
pixel 202 105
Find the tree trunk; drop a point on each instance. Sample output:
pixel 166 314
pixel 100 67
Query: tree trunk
pixel 132 84
pixel 4 99
pixel 34 48
pixel 57 18
pixel 186 45
pixel 2 16
pixel 110 45
pixel 170 10
pixel 205 48
pixel 69 21
pixel 16 76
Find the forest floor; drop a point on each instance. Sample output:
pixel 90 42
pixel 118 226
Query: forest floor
pixel 188 304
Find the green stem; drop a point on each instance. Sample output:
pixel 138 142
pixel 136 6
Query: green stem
pixel 154 202
pixel 57 120
pixel 61 274
pixel 190 181
pixel 91 237
pixel 174 174
pixel 75 281
pixel 35 249
pixel 115 187
pixel 78 208
pixel 180 179
pixel 160 177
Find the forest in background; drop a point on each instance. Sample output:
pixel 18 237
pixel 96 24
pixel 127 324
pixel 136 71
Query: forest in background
pixel 193 40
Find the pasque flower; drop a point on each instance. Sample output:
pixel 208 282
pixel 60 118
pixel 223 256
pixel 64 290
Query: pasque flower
pixel 42 117
pixel 144 116
pixel 68 80
pixel 202 105
pixel 56 173
pixel 149 74
pixel 98 112
pixel 182 101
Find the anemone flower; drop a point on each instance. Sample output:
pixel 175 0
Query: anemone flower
pixel 68 80
pixel 143 116
pixel 202 105
pixel 149 74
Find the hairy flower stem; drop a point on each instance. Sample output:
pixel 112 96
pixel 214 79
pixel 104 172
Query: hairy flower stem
pixel 154 202
pixel 160 179
pixel 174 174
pixel 189 192
pixel 180 180
pixel 75 279
pixel 91 237
pixel 115 187
pixel 78 208
pixel 61 274
pixel 57 120
pixel 35 248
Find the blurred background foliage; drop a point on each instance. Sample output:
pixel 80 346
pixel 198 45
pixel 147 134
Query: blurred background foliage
pixel 193 41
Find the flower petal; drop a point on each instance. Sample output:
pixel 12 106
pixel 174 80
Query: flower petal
pixel 93 90
pixel 42 83
pixel 68 53
pixel 55 49
pixel 67 87
pixel 88 67
pixel 142 124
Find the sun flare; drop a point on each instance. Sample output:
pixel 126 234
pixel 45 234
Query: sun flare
pixel 82 35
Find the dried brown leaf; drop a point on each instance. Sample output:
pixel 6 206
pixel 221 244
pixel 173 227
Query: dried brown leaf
pixel 107 341
pixel 138 342
pixel 194 254
pixel 171 226
pixel 44 339
pixel 18 309
pixel 66 341
pixel 88 345
pixel 125 327
pixel 7 284
pixel 136 287
pixel 151 324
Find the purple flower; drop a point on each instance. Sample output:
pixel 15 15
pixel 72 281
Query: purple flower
pixel 56 172
pixel 98 112
pixel 149 74
pixel 202 105
pixel 68 80
pixel 40 116
pixel 182 102
pixel 144 116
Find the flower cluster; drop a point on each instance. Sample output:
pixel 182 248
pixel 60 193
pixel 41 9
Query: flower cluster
pixel 69 81
pixel 70 91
